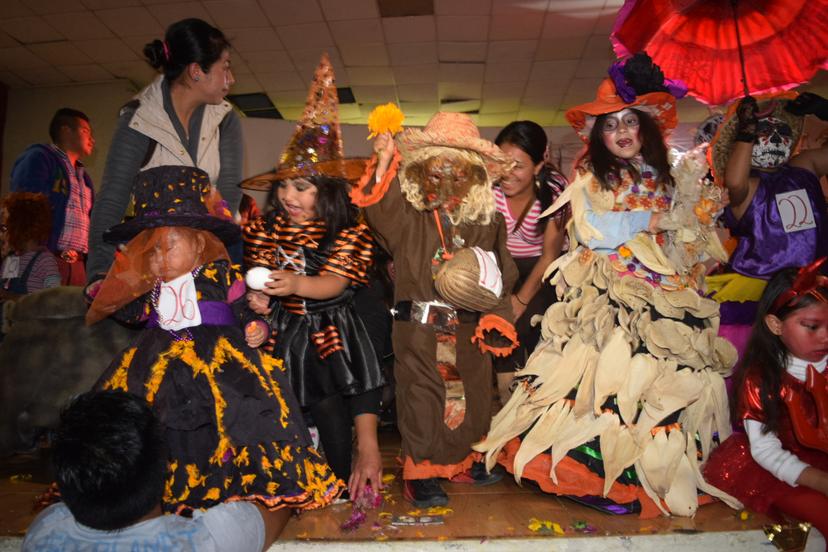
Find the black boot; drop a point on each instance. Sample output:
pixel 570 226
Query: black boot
pixel 477 475
pixel 424 493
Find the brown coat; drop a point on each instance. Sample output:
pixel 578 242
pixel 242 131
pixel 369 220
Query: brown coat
pixel 412 238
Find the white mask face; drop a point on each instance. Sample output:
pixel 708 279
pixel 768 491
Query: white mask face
pixel 774 143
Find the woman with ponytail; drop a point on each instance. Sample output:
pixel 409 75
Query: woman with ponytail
pixel 181 118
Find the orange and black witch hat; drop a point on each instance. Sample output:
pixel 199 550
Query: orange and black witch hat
pixel 316 145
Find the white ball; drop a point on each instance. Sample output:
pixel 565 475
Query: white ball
pixel 257 277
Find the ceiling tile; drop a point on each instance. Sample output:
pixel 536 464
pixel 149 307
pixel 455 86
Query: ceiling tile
pixel 167 14
pixel 107 50
pixel 511 7
pixel 516 27
pixel 499 106
pixel 357 31
pixel 236 14
pixel 306 62
pixel 416 74
pixel 503 90
pixel 350 112
pixel 105 4
pixel 292 12
pixel 508 71
pixel 42 75
pixel 577 6
pixel 540 116
pixel 30 30
pixel 42 7
pixel 598 47
pixel 422 92
pixel 133 21
pixel 512 50
pixel 592 68
pixel 137 43
pixel 560 48
pixel 462 7
pixel 137 72
pixel 7 42
pixel 288 98
pixel 336 10
pixel 411 109
pixel 417 120
pixel 462 72
pixel 547 101
pixel 280 80
pixel 14 8
pixel 238 64
pixel 560 24
pixel 535 88
pixel 497 120
pixel 370 75
pixel 606 21
pixel 460 90
pixel 60 53
pixel 11 80
pixel 462 28
pixel 268 62
pixel 246 84
pixel 461 106
pixel 375 94
pixel 19 57
pixel 462 51
pixel 545 70
pixel 413 53
pixel 409 29
pixel 357 55
pixel 79 25
pixel 305 36
pixel 254 40
pixel 88 73
pixel 586 86
pixel 291 113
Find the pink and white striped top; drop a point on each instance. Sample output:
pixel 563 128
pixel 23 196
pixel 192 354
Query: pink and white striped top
pixel 527 241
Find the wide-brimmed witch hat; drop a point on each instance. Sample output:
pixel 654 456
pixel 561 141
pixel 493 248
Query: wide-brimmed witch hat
pixel 315 149
pixel 175 195
pixel 769 106
pixel 633 83
pixel 453 130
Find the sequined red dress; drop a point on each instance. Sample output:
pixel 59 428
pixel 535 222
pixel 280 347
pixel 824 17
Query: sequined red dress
pixel 731 467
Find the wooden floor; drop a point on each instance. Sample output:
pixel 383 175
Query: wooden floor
pixel 504 510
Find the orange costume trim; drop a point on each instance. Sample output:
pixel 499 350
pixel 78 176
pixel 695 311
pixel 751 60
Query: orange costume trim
pixel 490 322
pixel 358 195
pixel 427 470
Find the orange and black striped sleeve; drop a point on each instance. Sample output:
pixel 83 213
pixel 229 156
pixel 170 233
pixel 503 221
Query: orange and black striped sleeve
pixel 352 254
pixel 259 243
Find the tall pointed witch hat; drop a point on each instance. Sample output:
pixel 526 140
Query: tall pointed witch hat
pixel 316 146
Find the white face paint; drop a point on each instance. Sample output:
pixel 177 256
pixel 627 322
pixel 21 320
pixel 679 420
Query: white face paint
pixel 620 132
pixel 774 143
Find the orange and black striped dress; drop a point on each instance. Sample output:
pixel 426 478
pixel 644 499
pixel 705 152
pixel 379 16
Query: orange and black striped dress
pixel 325 347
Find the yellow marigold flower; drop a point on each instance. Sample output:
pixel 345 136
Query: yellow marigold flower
pixel 385 118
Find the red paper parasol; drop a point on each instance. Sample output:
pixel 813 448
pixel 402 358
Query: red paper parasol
pixel 783 42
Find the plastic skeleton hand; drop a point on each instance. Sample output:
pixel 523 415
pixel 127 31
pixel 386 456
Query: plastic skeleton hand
pixel 811 436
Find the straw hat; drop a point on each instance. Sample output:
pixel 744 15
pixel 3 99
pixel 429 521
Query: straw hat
pixel 769 106
pixel 316 146
pixel 634 83
pixel 453 130
pixel 457 283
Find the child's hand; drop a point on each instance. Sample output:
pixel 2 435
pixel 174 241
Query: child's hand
pixel 255 333
pixel 384 148
pixel 368 468
pixel 258 302
pixel 282 283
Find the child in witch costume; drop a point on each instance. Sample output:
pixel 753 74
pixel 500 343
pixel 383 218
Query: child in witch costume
pixel 318 254
pixel 779 464
pixel 628 374
pixel 427 195
pixel 232 424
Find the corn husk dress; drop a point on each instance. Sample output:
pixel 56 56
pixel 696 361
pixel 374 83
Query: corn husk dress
pixel 233 426
pixel 619 403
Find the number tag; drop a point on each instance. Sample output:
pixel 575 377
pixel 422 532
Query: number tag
pixel 11 267
pixel 178 304
pixel 795 211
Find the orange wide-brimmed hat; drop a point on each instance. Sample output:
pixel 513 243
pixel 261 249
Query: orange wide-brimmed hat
pixel 453 130
pixel 661 105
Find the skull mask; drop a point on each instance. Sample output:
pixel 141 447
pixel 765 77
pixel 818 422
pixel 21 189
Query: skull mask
pixel 774 143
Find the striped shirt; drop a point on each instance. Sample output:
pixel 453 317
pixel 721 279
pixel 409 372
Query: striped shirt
pixel 526 241
pixel 75 233
pixel 43 274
